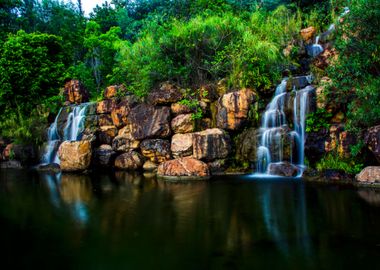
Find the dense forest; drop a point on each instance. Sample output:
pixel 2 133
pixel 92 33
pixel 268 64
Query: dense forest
pixel 141 43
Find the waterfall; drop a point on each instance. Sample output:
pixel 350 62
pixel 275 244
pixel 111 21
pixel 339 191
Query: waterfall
pixel 277 142
pixel 72 132
pixel 315 49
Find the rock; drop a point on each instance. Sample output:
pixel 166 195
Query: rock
pixel 75 156
pixel 54 168
pixel 217 166
pixel 369 174
pixel 106 134
pixel 246 146
pixel 178 108
pixel 129 161
pixel 11 164
pixel 182 145
pixel 124 144
pixel 120 112
pixel 205 123
pixel 326 58
pixel 233 108
pixel 156 150
pixel 308 33
pixel 339 141
pixel 183 123
pixel 26 154
pixel 336 175
pixel 105 120
pixel 146 121
pixel 209 93
pixel 372 141
pixel 75 92
pixel 298 82
pixel 283 169
pixel 104 156
pixel 114 90
pixel 168 93
pixel 315 145
pixel 186 166
pixel 150 166
pixel 321 93
pixel 211 144
pixel 106 106
pixel 62 119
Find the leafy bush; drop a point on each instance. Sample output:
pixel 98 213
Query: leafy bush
pixel 332 161
pixel 318 120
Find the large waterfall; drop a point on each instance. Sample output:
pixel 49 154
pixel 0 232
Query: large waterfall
pixel 73 130
pixel 280 139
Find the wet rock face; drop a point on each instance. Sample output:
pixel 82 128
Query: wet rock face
pixel 182 145
pixel 168 93
pixel 106 106
pixel 62 120
pixel 308 34
pixel 156 150
pixel 246 145
pixel 233 108
pixel 184 167
pixel 211 144
pixel 129 161
pixel 75 93
pixel 372 140
pixel 75 156
pixel 183 123
pixel 283 169
pixel 147 121
pixel 122 109
pixel 104 156
pixel 369 174
pixel 114 90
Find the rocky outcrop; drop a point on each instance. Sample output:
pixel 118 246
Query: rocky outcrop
pixel 178 108
pixel 105 120
pixel 106 134
pixel 321 93
pixel 114 90
pixel 147 121
pixel 283 169
pixel 369 175
pixel 75 93
pixel 339 141
pixel 308 34
pixel 233 108
pixel 125 142
pixel 150 166
pixel 315 145
pixel 129 161
pixel 166 94
pixel 187 166
pixel 183 123
pixel 75 156
pixel 106 106
pixel 211 144
pixel 372 141
pixel 246 145
pixel 104 156
pixel 121 111
pixel 182 145
pixel 156 150
pixel 326 58
pixel 298 82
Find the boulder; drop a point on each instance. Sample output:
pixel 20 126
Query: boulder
pixel 369 174
pixel 75 93
pixel 114 90
pixel 129 161
pixel 182 145
pixel 178 108
pixel 208 93
pixel 246 146
pixel 183 123
pixel 211 144
pixel 308 34
pixel 166 94
pixel 315 145
pixel 186 166
pixel 62 119
pixel 106 106
pixel 106 134
pixel 150 166
pixel 53 168
pixel 120 112
pixel 124 144
pixel 75 156
pixel 157 150
pixel 147 121
pixel 283 169
pixel 372 141
pixel 104 156
pixel 105 120
pixel 233 108
pixel 298 82
pixel 217 166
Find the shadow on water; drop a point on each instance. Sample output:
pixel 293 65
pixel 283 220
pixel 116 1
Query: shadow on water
pixel 131 220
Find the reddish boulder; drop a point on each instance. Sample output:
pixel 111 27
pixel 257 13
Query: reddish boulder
pixel 129 161
pixel 308 34
pixel 75 93
pixel 183 167
pixel 283 169
pixel 106 106
pixel 369 175
pixel 120 113
pixel 182 145
pixel 114 90
pixel 183 123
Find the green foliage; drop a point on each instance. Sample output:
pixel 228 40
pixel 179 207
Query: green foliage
pixel 191 101
pixel 318 120
pixel 332 161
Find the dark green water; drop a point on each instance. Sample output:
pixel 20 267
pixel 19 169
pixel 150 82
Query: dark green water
pixel 126 221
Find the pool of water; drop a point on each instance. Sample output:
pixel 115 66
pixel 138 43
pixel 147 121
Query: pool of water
pixel 132 221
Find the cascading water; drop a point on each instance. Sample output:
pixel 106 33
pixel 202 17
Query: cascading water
pixel 315 49
pixel 275 133
pixel 72 132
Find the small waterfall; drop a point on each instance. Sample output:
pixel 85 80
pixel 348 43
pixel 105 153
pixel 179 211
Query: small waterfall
pixel 315 49
pixel 72 132
pixel 277 142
